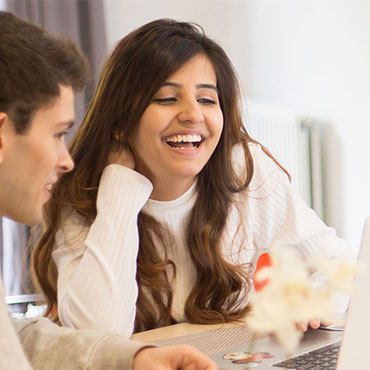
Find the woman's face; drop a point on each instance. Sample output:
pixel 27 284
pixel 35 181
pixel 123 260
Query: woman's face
pixel 180 129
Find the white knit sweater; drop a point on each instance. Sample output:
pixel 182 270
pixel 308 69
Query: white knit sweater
pixel 97 263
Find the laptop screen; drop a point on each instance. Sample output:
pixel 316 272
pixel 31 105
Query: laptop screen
pixel 355 348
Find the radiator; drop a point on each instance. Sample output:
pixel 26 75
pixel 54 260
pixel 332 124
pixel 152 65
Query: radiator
pixel 294 142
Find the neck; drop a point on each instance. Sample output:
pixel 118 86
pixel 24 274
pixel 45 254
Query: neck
pixel 170 190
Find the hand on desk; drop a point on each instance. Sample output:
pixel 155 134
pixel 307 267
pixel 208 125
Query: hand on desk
pixel 314 324
pixel 182 357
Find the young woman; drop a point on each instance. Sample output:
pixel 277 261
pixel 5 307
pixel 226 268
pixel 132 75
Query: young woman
pixel 172 231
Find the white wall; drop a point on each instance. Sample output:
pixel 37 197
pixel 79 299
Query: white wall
pixel 220 18
pixel 312 56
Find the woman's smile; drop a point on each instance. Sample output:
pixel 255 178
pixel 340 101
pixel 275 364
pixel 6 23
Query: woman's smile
pixel 185 143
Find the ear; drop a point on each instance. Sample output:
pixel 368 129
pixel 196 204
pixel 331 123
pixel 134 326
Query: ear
pixel 3 118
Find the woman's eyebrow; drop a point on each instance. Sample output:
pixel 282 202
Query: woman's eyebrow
pixel 198 86
pixel 173 84
pixel 207 86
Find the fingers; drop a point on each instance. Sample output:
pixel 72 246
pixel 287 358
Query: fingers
pixel 327 323
pixel 120 152
pixel 122 156
pixel 302 327
pixel 118 134
pixel 314 324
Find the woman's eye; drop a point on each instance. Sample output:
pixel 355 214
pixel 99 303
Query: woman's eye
pixel 207 101
pixel 165 101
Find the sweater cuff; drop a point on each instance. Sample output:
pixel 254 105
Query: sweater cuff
pixel 116 352
pixel 119 185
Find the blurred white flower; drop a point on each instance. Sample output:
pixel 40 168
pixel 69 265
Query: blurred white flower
pixel 339 274
pixel 286 295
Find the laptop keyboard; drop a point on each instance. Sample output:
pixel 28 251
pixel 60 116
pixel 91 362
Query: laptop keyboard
pixel 324 358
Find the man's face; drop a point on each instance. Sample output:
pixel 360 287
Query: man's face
pixel 30 162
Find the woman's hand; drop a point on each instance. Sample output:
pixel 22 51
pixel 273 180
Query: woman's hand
pixel 121 155
pixel 314 324
pixel 120 152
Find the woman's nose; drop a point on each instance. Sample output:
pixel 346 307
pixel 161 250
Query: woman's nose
pixel 190 112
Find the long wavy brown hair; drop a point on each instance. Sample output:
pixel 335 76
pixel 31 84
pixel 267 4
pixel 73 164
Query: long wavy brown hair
pixel 137 68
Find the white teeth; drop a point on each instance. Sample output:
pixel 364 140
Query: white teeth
pixel 48 187
pixel 184 138
pixel 191 148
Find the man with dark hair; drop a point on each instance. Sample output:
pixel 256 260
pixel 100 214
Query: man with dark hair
pixel 38 76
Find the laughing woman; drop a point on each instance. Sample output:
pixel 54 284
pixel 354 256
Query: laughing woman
pixel 170 202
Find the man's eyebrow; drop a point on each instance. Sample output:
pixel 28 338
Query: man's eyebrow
pixel 199 86
pixel 67 124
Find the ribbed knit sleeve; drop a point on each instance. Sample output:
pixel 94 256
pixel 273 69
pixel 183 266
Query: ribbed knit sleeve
pixel 97 264
pixel 278 215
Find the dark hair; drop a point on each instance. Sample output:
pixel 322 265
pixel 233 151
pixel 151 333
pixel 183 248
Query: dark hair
pixel 136 70
pixel 32 66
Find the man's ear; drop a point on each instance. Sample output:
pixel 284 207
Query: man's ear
pixel 3 118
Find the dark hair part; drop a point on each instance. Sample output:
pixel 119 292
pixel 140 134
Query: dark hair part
pixel 136 70
pixel 33 64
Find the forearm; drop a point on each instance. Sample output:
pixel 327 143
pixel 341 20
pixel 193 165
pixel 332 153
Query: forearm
pixel 49 346
pixel 101 292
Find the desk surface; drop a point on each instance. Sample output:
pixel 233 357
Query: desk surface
pixel 209 339
pixel 178 330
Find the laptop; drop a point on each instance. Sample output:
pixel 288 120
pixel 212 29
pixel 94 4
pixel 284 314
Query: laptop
pixel 349 350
